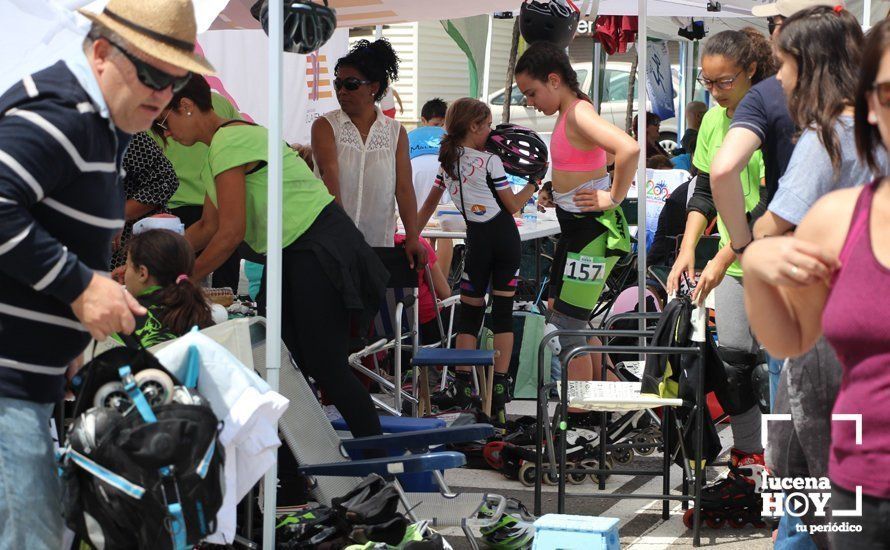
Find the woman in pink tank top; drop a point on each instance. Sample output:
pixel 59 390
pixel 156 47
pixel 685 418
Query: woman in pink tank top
pixel 833 277
pixel 592 238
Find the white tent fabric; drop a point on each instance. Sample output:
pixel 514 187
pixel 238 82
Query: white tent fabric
pixel 357 13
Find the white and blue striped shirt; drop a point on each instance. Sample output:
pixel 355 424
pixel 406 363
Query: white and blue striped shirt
pixel 61 203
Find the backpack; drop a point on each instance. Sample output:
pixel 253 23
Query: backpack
pixel 142 466
pixel 673 376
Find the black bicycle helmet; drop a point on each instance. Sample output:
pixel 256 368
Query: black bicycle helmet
pixel 307 25
pixel 522 151
pixel 554 21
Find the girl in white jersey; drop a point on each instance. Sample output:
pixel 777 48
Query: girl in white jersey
pixel 476 181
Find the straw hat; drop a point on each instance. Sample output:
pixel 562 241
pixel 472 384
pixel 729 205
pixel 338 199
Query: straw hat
pixel 164 29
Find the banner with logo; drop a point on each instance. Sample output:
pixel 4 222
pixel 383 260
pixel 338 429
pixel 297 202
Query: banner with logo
pixel 659 83
pixel 240 58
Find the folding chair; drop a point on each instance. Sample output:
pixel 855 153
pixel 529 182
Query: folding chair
pixel 399 325
pixel 623 396
pixel 324 456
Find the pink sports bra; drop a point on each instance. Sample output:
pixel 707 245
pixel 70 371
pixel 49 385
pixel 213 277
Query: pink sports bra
pixel 565 157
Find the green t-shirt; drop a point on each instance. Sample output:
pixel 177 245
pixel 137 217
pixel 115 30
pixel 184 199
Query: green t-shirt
pixel 303 195
pixel 188 161
pixel 713 129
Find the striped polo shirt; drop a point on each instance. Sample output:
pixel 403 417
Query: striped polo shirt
pixel 61 203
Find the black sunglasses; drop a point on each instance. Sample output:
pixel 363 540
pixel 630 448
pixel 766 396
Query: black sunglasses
pixel 151 76
pixel 352 83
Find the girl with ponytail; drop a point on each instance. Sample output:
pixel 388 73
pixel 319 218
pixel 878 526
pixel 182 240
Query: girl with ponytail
pixel 593 229
pixel 159 266
pixel 478 186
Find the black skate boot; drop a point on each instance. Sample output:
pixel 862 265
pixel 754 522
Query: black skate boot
pixel 458 394
pixel 733 499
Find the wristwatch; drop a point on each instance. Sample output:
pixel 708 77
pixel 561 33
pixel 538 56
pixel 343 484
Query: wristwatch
pixel 739 251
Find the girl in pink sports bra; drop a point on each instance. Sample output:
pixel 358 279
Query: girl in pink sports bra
pixel 594 233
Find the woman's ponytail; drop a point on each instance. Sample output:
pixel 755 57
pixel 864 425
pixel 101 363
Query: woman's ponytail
pixel 461 115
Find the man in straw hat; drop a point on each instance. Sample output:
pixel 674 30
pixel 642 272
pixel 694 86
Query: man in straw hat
pixel 63 131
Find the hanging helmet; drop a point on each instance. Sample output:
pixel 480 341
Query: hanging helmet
pixel 307 25
pixel 521 150
pixel 554 21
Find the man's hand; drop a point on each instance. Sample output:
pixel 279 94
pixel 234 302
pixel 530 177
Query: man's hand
pixel 105 307
pixel 416 254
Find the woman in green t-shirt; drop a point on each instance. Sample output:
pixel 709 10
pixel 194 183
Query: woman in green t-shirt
pixel 732 62
pixel 329 270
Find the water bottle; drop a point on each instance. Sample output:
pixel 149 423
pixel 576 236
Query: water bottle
pixel 530 214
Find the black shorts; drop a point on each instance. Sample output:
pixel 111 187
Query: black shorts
pixel 492 257
pixel 578 231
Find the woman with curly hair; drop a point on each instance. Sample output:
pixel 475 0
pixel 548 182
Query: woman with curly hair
pixel 362 155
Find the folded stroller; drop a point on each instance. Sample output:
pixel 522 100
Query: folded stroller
pixel 142 467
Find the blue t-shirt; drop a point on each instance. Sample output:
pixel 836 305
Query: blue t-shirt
pixel 764 111
pixel 425 141
pixel 810 174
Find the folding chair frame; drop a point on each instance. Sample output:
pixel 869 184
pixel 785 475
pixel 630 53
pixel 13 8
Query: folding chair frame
pixel 543 427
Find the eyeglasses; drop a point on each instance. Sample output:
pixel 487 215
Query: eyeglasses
pixel 151 76
pixel 882 93
pixel 162 124
pixel 773 23
pixel 351 84
pixel 725 84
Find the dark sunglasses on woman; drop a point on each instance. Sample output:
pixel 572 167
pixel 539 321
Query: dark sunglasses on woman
pixel 351 84
pixel 151 76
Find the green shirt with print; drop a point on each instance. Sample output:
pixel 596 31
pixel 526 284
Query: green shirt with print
pixel 303 195
pixel 188 161
pixel 713 129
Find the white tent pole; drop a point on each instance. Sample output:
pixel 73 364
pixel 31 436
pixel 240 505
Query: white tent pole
pixel 486 73
pixel 595 74
pixel 378 32
pixel 642 55
pixel 866 14
pixel 273 249
pixel 684 99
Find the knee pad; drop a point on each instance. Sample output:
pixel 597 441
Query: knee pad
pixel 562 321
pixel 736 394
pixel 501 314
pixel 470 319
pixel 760 386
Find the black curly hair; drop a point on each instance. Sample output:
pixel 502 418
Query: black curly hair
pixel 377 62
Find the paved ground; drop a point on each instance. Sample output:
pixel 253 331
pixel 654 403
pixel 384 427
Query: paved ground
pixel 641 526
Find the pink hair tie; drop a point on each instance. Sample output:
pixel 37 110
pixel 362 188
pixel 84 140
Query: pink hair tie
pixel 181 278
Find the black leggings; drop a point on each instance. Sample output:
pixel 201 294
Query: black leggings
pixel 315 328
pixel 492 257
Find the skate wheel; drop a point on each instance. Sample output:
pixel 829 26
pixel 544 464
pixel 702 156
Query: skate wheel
pixel 112 395
pixel 712 522
pixel 688 518
pixel 527 474
pixel 156 386
pixel 577 479
pixel 738 522
pixel 593 464
pixel 715 522
pixel 623 456
pixel 644 439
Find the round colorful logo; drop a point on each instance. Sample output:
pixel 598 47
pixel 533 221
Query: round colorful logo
pixel 478 209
